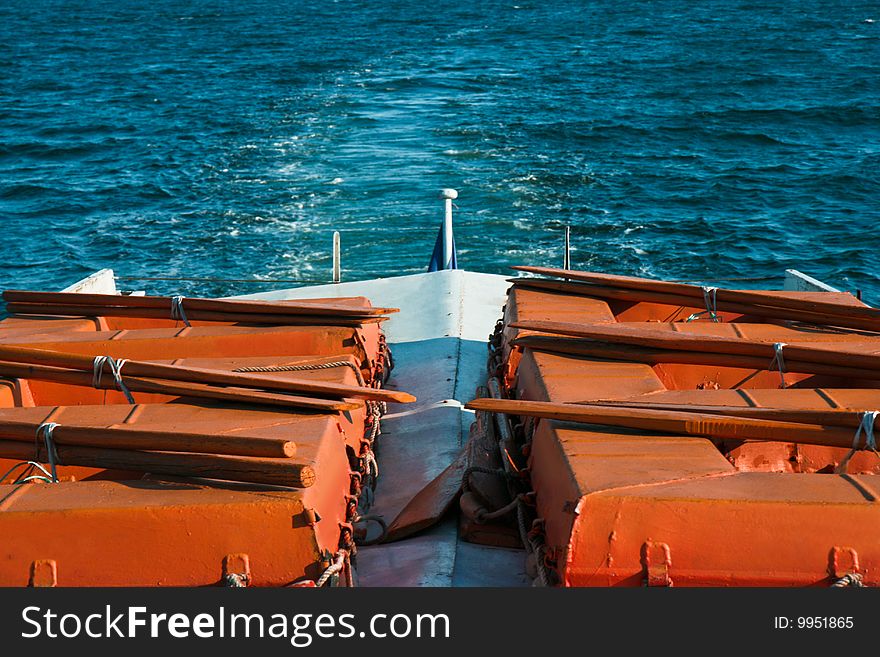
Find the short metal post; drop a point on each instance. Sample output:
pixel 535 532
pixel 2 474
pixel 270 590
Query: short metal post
pixel 566 257
pixel 337 258
pixel 448 195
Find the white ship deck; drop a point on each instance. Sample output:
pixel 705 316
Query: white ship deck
pixel 438 340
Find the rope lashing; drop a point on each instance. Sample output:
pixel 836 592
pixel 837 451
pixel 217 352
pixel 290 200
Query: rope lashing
pixel 236 580
pixel 376 411
pixel 372 465
pixel 709 300
pixel 778 361
pixel 853 580
pixel 44 431
pixel 531 543
pixel 306 368
pixel 497 472
pixel 115 369
pixel 178 314
pixel 866 426
pixel 333 568
pixel 709 297
pixel 26 476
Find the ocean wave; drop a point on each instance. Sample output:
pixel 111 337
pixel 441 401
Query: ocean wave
pixel 714 140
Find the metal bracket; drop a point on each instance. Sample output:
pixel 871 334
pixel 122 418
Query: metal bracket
pixel 306 518
pixel 656 560
pixel 44 573
pixel 843 561
pixel 236 570
pixel 361 342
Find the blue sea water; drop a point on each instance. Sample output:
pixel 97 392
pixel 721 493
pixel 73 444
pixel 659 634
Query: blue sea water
pixel 206 138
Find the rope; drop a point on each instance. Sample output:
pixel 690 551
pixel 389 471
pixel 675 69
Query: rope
pixel 46 430
pixel 466 476
pixel 236 580
pixel 372 465
pixel 488 516
pixel 530 543
pixel 332 569
pixel 25 477
pixel 115 370
pixel 709 299
pixel 305 368
pixel 379 520
pixel 178 314
pixel 853 580
pixel 778 360
pixel 377 410
pixel 866 426
pixel 349 571
pixel 374 409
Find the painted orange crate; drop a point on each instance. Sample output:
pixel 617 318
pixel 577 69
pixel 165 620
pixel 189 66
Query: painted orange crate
pixel 123 528
pixel 621 507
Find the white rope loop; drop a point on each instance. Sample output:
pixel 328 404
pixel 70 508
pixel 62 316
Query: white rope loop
pixel 332 569
pixel 710 295
pixel 44 431
pixel 866 427
pixel 779 361
pixel 372 464
pixel 178 314
pixel 26 476
pixel 710 298
pixel 115 369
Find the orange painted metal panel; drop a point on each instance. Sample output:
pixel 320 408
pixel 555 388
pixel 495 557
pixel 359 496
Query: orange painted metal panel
pixel 618 507
pixel 523 303
pixel 111 527
pixel 746 529
pixel 176 533
pixel 554 377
